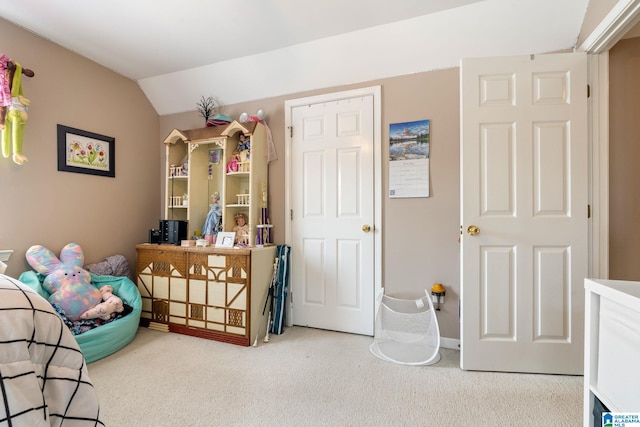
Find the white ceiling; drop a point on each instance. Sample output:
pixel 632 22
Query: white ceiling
pixel 180 50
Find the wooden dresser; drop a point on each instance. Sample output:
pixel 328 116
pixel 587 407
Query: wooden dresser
pixel 213 293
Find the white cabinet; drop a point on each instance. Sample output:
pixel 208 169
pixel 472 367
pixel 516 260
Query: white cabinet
pixel 612 346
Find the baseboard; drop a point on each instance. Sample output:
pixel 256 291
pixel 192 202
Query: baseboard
pixel 452 343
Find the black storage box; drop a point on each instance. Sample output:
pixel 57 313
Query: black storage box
pixel 155 236
pixel 173 231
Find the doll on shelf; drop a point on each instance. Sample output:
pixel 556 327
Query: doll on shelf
pixel 244 148
pixel 232 166
pixel 213 223
pixel 241 229
pixel 244 143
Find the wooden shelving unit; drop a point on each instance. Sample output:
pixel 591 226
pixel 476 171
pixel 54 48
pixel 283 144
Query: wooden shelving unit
pixel 195 172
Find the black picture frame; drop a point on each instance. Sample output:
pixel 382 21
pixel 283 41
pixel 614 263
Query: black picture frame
pixel 86 152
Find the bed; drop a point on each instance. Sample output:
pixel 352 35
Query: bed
pixel 43 374
pixel 108 338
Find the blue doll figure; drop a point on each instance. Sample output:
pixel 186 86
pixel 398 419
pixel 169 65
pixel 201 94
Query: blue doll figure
pixel 213 222
pixel 244 143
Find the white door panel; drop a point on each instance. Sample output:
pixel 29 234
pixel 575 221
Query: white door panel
pixel 332 198
pixel 524 185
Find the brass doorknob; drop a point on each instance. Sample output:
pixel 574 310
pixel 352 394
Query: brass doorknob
pixel 366 228
pixel 473 230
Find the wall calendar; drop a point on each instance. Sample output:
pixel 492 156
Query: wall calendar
pixel 409 144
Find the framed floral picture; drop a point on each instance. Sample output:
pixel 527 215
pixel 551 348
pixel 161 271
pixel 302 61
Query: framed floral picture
pixel 86 152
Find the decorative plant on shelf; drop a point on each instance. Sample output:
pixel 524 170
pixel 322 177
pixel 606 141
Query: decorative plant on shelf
pixel 207 107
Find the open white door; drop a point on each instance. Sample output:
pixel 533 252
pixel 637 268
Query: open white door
pixel 524 213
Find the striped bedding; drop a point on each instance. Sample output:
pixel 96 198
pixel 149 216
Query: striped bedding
pixel 43 374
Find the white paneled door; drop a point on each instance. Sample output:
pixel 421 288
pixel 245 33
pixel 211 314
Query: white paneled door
pixel 332 214
pixel 524 213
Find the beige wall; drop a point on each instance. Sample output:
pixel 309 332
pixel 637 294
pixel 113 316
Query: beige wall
pixel 40 205
pixel 624 155
pixel 419 235
pixel 633 32
pixel 596 12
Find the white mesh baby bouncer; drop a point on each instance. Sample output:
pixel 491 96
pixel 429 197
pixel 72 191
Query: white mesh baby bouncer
pixel 406 331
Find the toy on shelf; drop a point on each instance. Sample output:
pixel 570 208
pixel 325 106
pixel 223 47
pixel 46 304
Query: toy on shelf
pixel 263 230
pixel 244 143
pixel 213 223
pixel 232 166
pixel 244 153
pixel 241 229
pixel 260 118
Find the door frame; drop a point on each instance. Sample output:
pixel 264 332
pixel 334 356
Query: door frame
pixel 289 105
pixel 622 17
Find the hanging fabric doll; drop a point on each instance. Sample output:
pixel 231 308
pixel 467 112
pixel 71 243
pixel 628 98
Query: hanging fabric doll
pixel 16 116
pixel 6 74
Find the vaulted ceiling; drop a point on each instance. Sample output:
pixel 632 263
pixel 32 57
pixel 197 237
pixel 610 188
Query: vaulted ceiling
pixel 178 51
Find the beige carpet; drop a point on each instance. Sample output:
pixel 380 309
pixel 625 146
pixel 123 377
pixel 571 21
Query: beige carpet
pixel 309 377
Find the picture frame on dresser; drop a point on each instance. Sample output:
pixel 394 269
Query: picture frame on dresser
pixel 225 239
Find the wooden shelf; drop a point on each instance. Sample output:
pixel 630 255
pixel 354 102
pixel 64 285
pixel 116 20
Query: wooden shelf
pixel 204 177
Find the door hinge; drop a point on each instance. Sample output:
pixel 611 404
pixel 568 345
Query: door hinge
pixel 588 91
pixel 291 131
pixel 588 211
pixel 291 214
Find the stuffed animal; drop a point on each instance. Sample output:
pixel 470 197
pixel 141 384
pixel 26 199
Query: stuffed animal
pixel 110 306
pixel 14 113
pixel 66 281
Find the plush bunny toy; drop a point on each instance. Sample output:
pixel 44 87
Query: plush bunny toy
pixel 110 305
pixel 66 281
